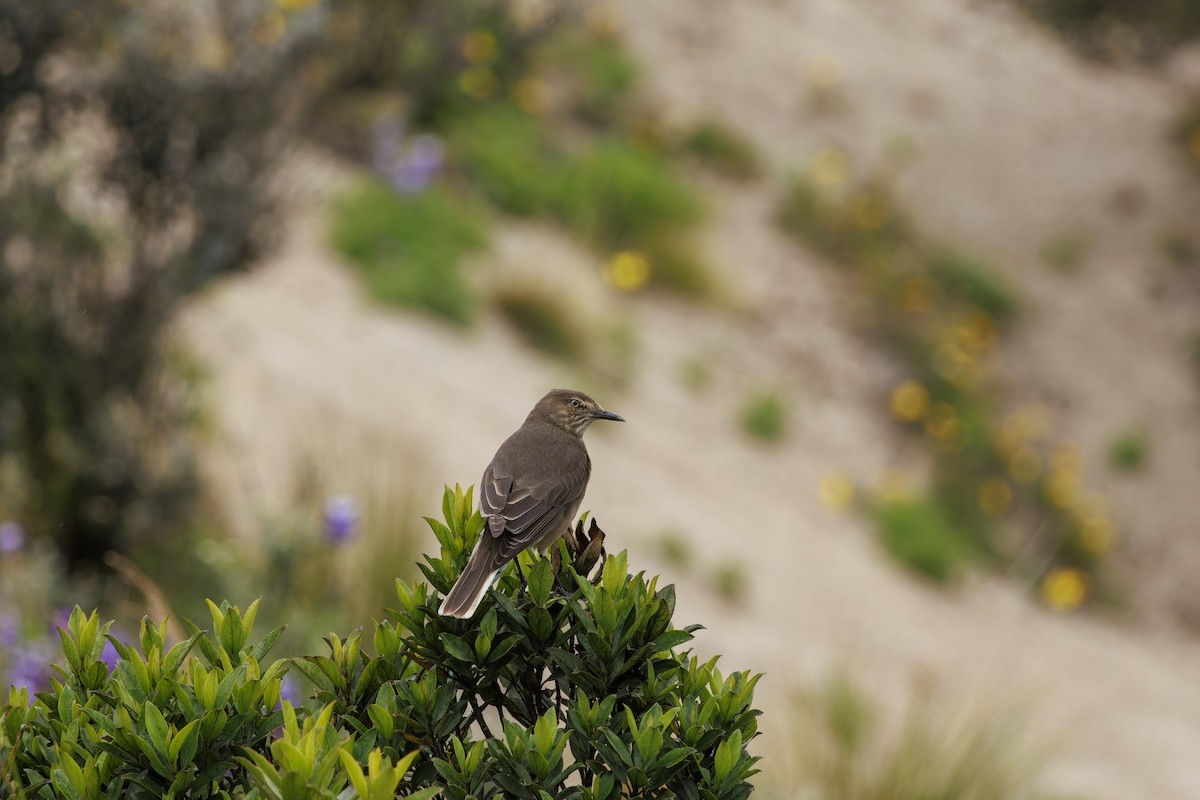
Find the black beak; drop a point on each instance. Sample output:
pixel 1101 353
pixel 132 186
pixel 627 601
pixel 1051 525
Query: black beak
pixel 602 414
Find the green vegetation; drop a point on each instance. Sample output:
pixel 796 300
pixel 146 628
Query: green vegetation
pixel 861 226
pixel 619 196
pixel 601 74
pixel 1129 452
pixel 1120 29
pixel 695 374
pixel 674 548
pixel 1065 252
pixel 731 582
pixel 463 708
pixel 971 283
pixel 721 149
pixel 764 415
pixel 919 534
pixel 409 248
pixel 846 748
pixel 943 313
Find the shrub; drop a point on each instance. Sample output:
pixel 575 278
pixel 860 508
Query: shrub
pixel 1108 29
pixel 920 535
pixel 508 156
pixel 172 167
pixel 617 195
pixel 971 281
pixel 568 662
pixel 409 248
pixel 764 416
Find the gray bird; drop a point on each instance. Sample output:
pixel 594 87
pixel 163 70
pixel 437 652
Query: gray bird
pixel 530 492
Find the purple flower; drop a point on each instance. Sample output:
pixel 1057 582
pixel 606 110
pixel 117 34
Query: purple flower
pixel 10 631
pixel 341 519
pixel 288 690
pixel 12 537
pixel 28 668
pixel 408 169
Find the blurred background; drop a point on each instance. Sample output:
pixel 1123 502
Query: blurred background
pixel 900 299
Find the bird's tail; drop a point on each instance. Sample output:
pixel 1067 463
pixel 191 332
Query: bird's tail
pixel 471 586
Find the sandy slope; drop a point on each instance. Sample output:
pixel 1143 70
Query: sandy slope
pixel 302 364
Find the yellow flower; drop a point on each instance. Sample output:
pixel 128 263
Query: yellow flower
pixel 1025 465
pixel 532 95
pixel 956 365
pixel 477 82
pixel 836 491
pixel 479 46
pixel 910 401
pixel 294 5
pixel 976 334
pixel 1062 487
pixel 1064 589
pixel 995 497
pixel 830 168
pixel 1097 535
pixel 917 295
pixel 628 271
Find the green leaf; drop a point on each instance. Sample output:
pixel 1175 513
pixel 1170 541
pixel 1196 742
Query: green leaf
pixel 381 718
pixel 543 732
pixel 184 744
pixel 541 581
pixel 668 640
pixel 260 650
pixel 156 727
pixel 458 648
pixel 501 648
pixel 355 773
pixel 312 671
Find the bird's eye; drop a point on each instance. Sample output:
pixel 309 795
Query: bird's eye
pixel 575 402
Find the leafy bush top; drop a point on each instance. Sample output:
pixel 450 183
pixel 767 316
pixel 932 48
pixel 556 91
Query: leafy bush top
pixel 562 686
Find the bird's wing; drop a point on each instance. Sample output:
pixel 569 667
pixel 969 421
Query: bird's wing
pixel 493 498
pixel 529 513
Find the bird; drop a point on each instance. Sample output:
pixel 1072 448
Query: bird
pixel 530 492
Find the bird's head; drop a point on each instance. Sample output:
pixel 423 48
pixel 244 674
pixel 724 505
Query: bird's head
pixel 570 410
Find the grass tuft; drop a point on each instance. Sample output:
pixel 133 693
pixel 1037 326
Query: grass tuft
pixel 1129 452
pixel 764 416
pixel 722 150
pixel 542 320
pixel 847 752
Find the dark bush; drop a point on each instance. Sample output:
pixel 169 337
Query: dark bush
pixel 127 184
